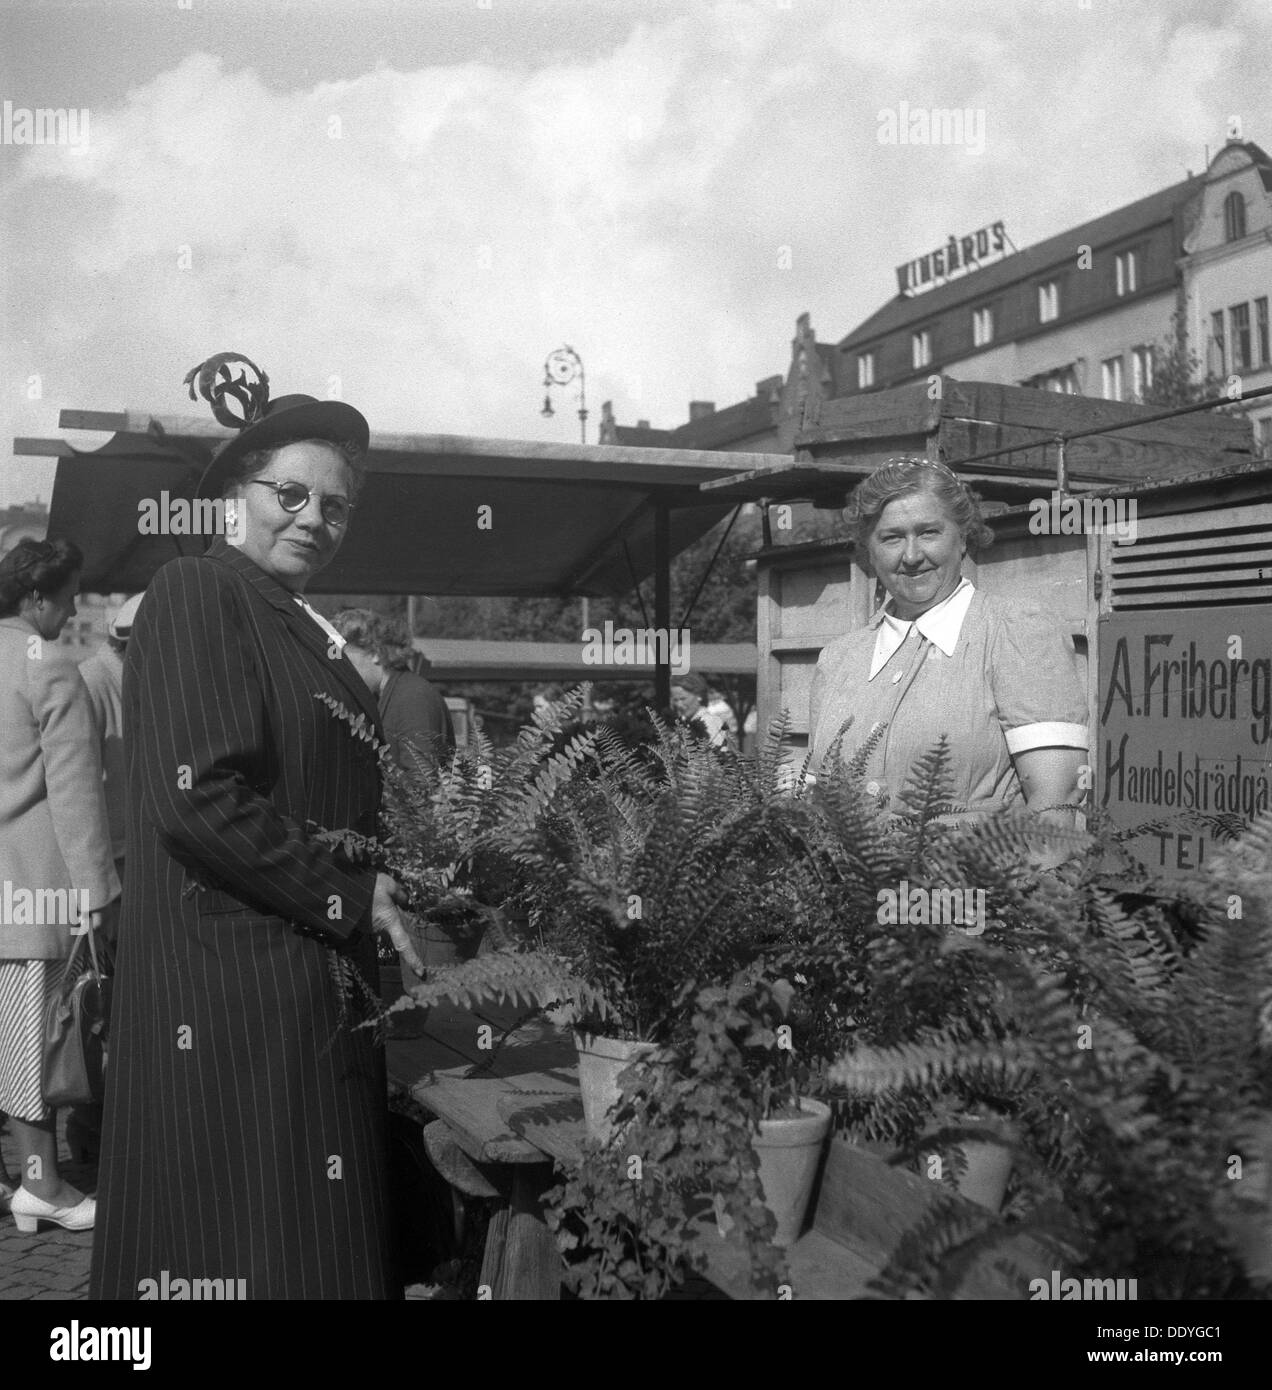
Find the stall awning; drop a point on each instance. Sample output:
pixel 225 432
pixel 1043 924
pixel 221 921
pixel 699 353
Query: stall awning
pixel 561 519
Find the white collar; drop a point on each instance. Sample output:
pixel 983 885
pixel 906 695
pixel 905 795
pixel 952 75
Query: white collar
pixel 941 626
pixel 322 622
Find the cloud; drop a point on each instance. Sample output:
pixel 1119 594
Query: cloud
pixel 418 241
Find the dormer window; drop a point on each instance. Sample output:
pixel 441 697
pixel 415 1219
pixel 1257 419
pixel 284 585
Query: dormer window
pixel 1048 301
pixel 982 325
pixel 1126 270
pixel 1234 217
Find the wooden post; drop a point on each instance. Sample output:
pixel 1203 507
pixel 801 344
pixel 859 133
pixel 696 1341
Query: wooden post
pixel 662 603
pixel 588 712
pixel 521 1259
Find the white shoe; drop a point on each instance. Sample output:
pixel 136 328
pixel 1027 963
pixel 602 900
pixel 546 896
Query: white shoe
pixel 28 1211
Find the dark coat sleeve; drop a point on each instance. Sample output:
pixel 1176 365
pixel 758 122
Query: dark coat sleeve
pixel 208 755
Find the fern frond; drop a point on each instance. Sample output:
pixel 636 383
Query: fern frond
pixel 515 977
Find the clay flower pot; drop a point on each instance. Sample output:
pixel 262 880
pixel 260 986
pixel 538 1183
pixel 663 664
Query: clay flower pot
pixel 447 940
pixel 988 1169
pixel 989 1160
pixel 600 1062
pixel 789 1150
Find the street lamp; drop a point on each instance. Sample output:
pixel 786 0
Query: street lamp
pixel 560 369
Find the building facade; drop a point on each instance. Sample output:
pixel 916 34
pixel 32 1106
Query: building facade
pixel 1090 311
pixel 1079 312
pixel 1227 276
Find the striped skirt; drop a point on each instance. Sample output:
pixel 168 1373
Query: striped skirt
pixel 26 986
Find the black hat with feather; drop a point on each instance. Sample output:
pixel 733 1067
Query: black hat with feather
pixel 264 423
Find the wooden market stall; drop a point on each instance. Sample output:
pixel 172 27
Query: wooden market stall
pixel 440 515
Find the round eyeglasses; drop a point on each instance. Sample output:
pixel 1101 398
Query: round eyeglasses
pixel 294 497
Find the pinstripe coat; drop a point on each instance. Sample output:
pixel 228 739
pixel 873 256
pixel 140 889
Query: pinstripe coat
pixel 245 1133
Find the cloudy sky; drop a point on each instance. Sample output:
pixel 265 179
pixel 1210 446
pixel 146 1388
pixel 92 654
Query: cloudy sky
pixel 411 204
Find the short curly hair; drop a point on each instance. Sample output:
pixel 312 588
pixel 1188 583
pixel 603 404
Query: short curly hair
pixel 903 477
pixel 378 634
pixel 693 683
pixel 40 567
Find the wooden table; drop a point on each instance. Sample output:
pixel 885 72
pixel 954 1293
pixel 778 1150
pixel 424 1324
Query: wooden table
pixel 508 1097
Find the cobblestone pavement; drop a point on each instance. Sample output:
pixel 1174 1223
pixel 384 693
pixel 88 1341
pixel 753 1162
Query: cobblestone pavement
pixel 52 1263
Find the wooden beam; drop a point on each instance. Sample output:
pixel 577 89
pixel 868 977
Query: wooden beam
pixel 469 454
pixel 112 420
pixel 1054 411
pixel 25 447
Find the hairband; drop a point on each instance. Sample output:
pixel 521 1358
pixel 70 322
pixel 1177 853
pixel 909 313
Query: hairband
pixel 935 464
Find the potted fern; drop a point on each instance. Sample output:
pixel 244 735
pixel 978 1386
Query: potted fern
pixel 449 830
pixel 880 977
pixel 1134 1064
pixel 648 871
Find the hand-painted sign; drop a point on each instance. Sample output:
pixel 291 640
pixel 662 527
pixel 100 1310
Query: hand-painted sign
pixel 1185 726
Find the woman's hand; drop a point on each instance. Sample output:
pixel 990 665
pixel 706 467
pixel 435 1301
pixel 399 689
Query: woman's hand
pixel 386 917
pixel 104 921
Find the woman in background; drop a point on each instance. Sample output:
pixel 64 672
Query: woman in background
pixel 54 837
pixel 689 695
pixel 416 720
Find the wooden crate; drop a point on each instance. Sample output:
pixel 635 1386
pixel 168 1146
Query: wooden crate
pixel 862 1207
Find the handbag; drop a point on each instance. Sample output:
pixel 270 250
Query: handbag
pixel 75 1027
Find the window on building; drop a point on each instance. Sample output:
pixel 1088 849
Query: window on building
pixel 1261 330
pixel 921 347
pixel 1127 272
pixel 1111 378
pixel 1048 301
pixel 1141 371
pixel 1219 352
pixel 982 325
pixel 1239 331
pixel 1263 436
pixel 865 371
pixel 1063 380
pixel 1234 217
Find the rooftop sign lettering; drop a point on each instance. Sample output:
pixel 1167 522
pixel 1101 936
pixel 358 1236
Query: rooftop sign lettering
pixel 957 255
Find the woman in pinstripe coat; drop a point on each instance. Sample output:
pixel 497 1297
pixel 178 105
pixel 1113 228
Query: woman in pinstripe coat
pixel 245 1126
